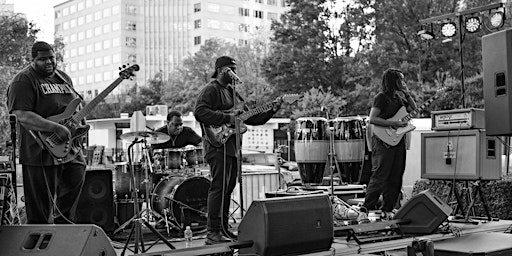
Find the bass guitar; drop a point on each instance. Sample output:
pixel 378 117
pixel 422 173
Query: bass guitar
pixel 218 135
pixel 58 148
pixel 392 136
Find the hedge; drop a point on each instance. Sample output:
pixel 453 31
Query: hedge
pixel 497 193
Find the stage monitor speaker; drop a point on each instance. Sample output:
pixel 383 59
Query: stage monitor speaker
pixel 497 63
pixel 288 225
pixel 51 240
pixel 460 155
pixel 424 213
pixel 96 203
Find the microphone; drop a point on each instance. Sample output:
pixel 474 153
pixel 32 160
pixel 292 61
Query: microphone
pixel 232 75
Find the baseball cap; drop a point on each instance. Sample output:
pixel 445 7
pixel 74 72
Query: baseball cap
pixel 222 62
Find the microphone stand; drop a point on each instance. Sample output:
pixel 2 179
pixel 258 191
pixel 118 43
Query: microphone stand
pixel 238 149
pixel 332 153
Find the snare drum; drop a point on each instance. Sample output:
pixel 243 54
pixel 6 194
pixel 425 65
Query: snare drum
pixel 185 198
pixel 311 148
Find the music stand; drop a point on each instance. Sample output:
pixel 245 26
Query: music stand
pixel 137 219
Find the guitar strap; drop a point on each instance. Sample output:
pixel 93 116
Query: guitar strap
pixel 57 72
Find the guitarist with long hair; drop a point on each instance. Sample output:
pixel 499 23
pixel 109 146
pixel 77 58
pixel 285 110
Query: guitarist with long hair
pixel 388 162
pixel 51 186
pixel 214 108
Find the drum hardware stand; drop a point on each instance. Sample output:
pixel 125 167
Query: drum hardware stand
pixel 277 153
pixel 137 219
pixel 183 206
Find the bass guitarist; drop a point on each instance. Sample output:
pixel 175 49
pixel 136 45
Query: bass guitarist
pixel 211 109
pixel 388 162
pixel 51 186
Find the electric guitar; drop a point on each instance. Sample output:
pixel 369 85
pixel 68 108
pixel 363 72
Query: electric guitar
pixel 218 135
pixel 392 136
pixel 58 148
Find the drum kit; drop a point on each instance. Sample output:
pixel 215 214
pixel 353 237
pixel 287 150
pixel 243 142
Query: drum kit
pixel 164 183
pixel 318 138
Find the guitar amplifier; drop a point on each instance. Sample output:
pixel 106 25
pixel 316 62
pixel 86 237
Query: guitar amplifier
pixel 460 155
pixel 455 119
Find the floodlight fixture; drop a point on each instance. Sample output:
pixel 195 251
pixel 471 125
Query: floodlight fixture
pixel 448 29
pixel 496 19
pixel 472 24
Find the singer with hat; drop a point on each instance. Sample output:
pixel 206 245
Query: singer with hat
pixel 212 108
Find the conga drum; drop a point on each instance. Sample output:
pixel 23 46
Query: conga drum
pixel 349 145
pixel 348 138
pixel 311 146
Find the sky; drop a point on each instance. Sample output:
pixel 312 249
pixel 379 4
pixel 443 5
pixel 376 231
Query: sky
pixel 39 12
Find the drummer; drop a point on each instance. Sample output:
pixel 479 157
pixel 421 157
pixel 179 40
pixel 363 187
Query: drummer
pixel 181 136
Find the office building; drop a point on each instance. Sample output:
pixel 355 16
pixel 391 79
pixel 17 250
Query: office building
pixel 102 35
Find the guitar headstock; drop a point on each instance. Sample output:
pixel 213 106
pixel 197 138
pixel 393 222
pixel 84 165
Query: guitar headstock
pixel 126 71
pixel 289 98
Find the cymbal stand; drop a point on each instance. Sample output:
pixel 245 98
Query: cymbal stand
pixel 137 219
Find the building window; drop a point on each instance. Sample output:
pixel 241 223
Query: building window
pixel 132 58
pixel 243 27
pixel 243 11
pixel 258 14
pixel 258 1
pixel 197 23
pixel 272 2
pixel 131 9
pixel 197 40
pixel 197 7
pixel 131 41
pixel 130 25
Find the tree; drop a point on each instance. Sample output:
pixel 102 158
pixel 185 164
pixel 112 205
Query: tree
pixel 302 49
pixel 186 82
pixel 16 38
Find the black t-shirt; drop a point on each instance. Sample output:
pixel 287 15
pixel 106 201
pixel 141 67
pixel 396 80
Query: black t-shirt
pixel 187 137
pixel 388 105
pixel 46 96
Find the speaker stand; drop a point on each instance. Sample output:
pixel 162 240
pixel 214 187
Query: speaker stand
pixel 476 191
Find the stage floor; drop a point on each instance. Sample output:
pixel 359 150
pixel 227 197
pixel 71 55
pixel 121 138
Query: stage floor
pixel 340 246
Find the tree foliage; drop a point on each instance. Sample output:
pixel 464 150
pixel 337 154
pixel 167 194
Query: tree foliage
pixel 16 38
pixel 187 81
pixel 368 37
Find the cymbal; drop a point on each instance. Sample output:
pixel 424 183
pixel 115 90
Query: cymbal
pixel 149 137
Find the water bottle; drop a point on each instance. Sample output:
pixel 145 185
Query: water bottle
pixel 188 236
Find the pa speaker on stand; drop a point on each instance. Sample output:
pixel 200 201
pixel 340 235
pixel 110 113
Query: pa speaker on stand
pixel 497 68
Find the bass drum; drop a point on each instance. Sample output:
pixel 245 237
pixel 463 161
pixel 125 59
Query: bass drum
pixel 184 197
